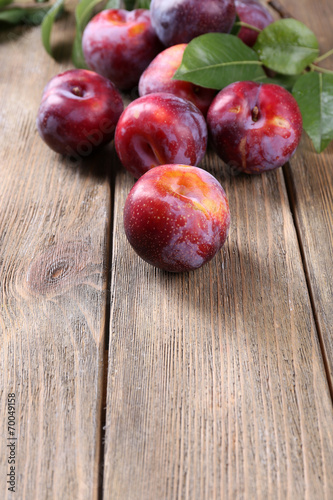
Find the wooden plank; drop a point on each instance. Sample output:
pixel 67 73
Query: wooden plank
pixel 310 184
pixel 216 385
pixel 54 231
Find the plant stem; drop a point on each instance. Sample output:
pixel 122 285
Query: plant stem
pixel 321 70
pixel 275 4
pixel 327 54
pixel 249 26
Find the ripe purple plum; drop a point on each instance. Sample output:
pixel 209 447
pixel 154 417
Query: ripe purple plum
pixel 78 112
pixel 254 13
pixel 254 127
pixel 119 45
pixel 179 21
pixel 158 77
pixel 177 217
pixel 158 129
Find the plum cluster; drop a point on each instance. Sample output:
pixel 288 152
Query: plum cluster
pixel 176 216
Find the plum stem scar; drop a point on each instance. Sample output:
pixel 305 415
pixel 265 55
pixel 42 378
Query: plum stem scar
pixel 77 91
pixel 255 113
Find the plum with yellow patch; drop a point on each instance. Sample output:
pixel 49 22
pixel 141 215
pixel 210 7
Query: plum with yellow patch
pixel 119 45
pixel 78 112
pixel 177 217
pixel 254 127
pixel 158 77
pixel 157 129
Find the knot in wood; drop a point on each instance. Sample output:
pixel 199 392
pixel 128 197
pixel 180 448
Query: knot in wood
pixel 57 269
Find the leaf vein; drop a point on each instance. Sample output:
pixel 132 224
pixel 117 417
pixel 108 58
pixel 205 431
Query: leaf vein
pixel 220 65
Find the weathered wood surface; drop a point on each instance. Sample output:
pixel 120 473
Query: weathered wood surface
pixel 217 387
pixel 218 380
pixel 310 185
pixel 54 237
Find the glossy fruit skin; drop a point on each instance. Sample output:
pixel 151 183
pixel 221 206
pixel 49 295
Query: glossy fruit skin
pixel 119 45
pixel 78 113
pixel 254 127
pixel 157 129
pixel 254 13
pixel 158 77
pixel 177 217
pixel 179 21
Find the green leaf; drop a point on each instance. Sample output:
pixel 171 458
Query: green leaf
pixel 286 81
pixel 129 4
pixel 136 4
pixel 287 46
pixel 77 53
pixel 236 27
pixel 83 13
pixel 142 4
pixel 215 60
pixel 12 16
pixel 36 16
pixel 5 2
pixel 314 94
pixel 113 4
pixel 47 24
pixel 29 15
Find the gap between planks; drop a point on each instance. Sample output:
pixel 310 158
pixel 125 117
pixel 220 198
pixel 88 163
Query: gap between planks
pixel 291 201
pixel 108 299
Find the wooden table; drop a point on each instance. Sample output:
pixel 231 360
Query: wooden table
pixel 135 384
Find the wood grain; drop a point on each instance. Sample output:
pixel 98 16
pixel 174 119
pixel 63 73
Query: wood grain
pixel 216 385
pixel 310 184
pixel 54 237
pixel 217 379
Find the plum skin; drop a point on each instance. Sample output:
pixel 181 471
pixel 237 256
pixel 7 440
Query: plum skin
pixel 177 217
pixel 180 21
pixel 254 13
pixel 157 129
pixel 158 77
pixel 119 45
pixel 78 113
pixel 254 127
